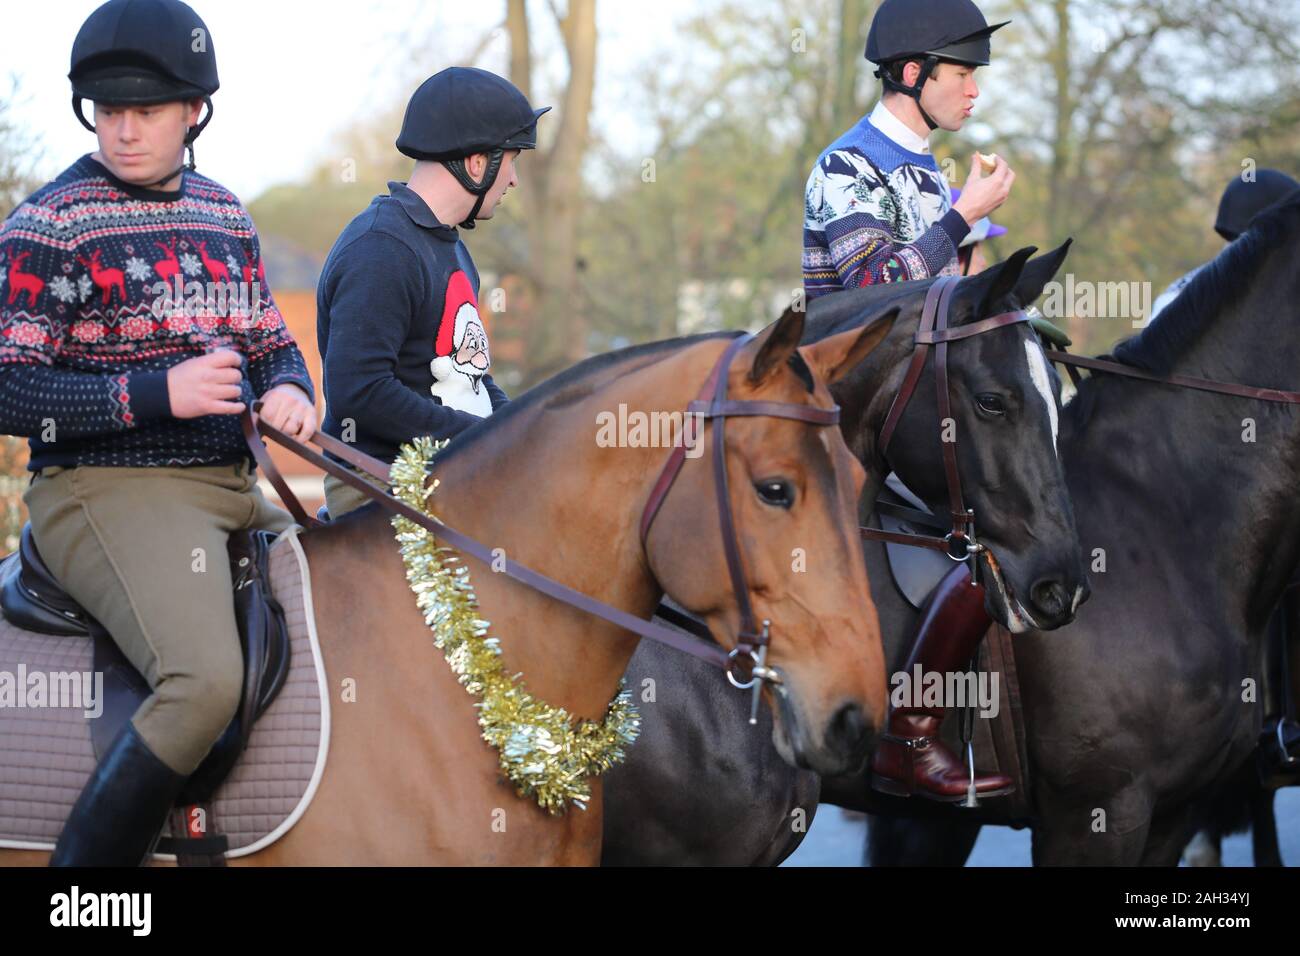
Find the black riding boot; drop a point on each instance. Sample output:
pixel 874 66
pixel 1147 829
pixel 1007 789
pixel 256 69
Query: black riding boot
pixel 120 812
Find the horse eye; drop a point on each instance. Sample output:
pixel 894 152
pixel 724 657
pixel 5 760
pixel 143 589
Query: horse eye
pixel 991 403
pixel 776 492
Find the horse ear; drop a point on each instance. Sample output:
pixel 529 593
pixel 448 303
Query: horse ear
pixel 994 285
pixel 1037 273
pixel 835 356
pixel 775 344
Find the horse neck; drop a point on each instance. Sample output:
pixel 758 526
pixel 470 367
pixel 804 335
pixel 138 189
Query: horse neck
pixel 1221 497
pixel 536 485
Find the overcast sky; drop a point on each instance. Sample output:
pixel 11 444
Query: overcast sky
pixel 294 72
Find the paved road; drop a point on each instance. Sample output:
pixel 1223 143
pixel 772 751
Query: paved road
pixel 836 837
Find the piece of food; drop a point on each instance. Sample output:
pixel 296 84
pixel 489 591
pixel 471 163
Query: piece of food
pixel 987 163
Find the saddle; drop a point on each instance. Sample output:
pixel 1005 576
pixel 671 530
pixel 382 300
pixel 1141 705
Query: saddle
pixel 916 571
pixel 32 599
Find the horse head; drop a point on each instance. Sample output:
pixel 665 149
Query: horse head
pixel 793 489
pixel 1005 411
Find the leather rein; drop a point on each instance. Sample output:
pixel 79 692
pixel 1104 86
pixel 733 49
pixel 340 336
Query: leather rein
pixel 959 543
pixel 711 403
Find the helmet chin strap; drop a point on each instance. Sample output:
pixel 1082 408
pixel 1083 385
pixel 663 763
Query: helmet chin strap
pixel 190 136
pixel 927 67
pixel 479 189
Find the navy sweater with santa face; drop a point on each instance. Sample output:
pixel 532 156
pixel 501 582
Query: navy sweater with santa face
pixel 397 291
pixel 91 319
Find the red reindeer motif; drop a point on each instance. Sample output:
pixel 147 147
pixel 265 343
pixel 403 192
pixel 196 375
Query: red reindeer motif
pixel 167 268
pixel 20 281
pixel 248 271
pixel 106 279
pixel 216 268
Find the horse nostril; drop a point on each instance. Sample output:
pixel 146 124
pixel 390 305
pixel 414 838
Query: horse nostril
pixel 848 728
pixel 1051 597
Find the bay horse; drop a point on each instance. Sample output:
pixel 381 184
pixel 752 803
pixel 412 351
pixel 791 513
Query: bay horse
pixel 1141 713
pixel 703 786
pixel 409 780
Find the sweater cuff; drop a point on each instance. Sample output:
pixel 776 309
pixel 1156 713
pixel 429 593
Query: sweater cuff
pixel 955 226
pixel 149 397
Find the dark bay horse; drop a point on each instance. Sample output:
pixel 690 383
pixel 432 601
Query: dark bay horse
pixel 703 786
pixel 409 780
pixel 1146 708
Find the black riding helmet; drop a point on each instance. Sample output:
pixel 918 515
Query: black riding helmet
pixel 1242 201
pixel 931 31
pixel 141 52
pixel 462 111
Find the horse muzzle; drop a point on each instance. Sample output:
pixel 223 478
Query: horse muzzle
pixel 841 744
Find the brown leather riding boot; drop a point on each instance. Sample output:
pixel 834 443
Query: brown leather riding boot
pixel 911 760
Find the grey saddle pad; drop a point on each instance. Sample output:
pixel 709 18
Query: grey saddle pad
pixel 46 754
pixel 916 571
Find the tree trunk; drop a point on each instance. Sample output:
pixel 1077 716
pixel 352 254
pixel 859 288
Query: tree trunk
pixel 551 190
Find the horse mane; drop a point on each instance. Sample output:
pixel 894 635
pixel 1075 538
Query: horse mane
pixel 570 385
pixel 1182 323
pixel 845 309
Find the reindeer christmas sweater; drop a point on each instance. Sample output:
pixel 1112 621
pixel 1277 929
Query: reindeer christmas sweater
pixel 104 286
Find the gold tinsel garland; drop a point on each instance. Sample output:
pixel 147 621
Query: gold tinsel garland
pixel 543 752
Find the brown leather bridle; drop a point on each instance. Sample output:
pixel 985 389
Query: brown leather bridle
pixel 712 403
pixel 959 543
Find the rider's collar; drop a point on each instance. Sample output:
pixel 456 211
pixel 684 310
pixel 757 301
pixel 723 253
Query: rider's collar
pixel 419 210
pixel 893 127
pixel 95 167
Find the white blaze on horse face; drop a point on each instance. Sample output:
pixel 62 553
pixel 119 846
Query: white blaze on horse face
pixel 1042 379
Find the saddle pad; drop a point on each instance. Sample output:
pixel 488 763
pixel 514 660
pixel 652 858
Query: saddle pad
pixel 46 754
pixel 916 571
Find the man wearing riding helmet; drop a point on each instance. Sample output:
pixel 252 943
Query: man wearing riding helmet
pixel 130 400
pixel 877 209
pixel 1241 202
pixel 404 348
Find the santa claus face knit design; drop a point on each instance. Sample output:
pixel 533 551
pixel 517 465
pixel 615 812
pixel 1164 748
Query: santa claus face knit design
pixel 461 354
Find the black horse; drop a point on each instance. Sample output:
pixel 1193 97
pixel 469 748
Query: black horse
pixel 1141 713
pixel 701 785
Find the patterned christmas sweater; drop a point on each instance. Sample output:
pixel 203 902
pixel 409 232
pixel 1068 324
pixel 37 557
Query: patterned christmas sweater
pixel 877 209
pixel 103 287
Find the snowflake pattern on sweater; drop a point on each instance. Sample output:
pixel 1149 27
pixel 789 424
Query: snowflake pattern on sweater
pixel 106 286
pixel 875 211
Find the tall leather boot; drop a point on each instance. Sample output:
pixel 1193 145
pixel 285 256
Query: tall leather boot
pixel 122 808
pixel 911 760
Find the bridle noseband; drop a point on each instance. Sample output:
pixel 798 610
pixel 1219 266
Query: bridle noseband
pixel 960 543
pixel 713 403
